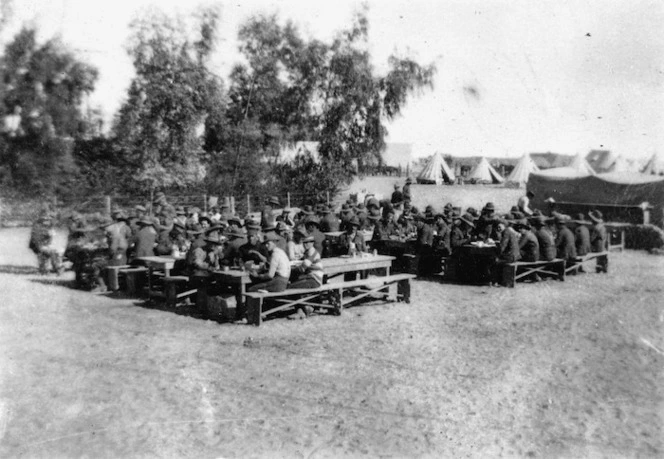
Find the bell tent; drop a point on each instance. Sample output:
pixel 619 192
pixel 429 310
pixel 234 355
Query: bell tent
pixel 485 173
pixel 522 170
pixel 436 171
pixel 654 166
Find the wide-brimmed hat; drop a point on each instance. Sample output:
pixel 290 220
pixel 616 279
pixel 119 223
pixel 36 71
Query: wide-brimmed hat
pixel 274 201
pixel 409 180
pixel 271 236
pixel 234 219
pixel 522 223
pixel 253 228
pixel 307 210
pixel 489 207
pixel 234 233
pixel 195 229
pixel 308 239
pixel 146 221
pixel 560 218
pixel 179 210
pixel 106 221
pixel 374 214
pixel 312 220
pixel 468 219
pixel 596 216
pixel 538 221
pixel 215 238
pixel 581 219
pixel 354 221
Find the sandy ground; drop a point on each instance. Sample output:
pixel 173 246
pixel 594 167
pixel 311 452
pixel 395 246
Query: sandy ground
pixel 554 369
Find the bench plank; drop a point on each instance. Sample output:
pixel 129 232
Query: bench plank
pixel 512 272
pixel 329 296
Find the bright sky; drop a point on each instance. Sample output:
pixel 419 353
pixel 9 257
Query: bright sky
pixel 514 76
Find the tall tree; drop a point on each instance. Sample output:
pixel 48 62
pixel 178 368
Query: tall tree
pixel 43 87
pixel 292 89
pixel 169 99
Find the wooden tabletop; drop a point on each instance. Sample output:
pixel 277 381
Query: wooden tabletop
pixel 345 264
pixel 160 262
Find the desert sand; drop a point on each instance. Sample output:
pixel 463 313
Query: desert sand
pixel 555 369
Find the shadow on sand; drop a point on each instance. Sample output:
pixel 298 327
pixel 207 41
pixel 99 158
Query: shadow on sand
pixel 16 269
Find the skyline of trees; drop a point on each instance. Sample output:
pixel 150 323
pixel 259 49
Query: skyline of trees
pixel 181 126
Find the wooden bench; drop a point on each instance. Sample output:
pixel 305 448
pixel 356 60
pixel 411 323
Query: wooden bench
pixel 513 272
pixel 395 287
pixel 177 288
pixel 602 265
pixel 135 277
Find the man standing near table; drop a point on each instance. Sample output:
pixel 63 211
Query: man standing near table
pixel 424 246
pixel 397 198
pixel 407 197
pixel 523 203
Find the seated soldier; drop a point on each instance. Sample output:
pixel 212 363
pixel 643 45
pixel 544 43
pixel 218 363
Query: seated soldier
pixel 528 244
pixel 308 274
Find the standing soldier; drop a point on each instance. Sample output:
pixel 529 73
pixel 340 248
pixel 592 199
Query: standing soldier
pixel 41 243
pixel 118 234
pixel 406 190
pixel 145 240
pixel 397 198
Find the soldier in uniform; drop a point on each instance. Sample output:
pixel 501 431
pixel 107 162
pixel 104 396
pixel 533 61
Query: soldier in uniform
pixel 528 243
pixel 352 241
pixel 41 243
pixel 598 238
pixel 312 225
pixel 581 235
pixel 565 246
pixel 407 197
pixel 145 240
pixel 545 239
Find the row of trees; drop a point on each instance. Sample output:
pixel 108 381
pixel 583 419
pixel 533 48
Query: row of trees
pixel 182 126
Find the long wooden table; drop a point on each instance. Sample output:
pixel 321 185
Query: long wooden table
pixel 162 264
pixel 332 267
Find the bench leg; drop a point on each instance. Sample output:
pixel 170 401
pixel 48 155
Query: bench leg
pixel 255 310
pixel 171 292
pixel 404 290
pixel 509 274
pixel 602 264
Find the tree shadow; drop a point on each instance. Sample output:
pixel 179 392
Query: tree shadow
pixel 18 269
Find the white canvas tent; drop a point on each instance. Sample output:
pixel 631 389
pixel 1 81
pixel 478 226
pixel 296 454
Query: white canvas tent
pixel 654 166
pixel 484 172
pixel 581 166
pixel 622 164
pixel 436 171
pixel 522 170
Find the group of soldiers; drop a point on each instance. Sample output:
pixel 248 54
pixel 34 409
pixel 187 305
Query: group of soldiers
pixel 268 245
